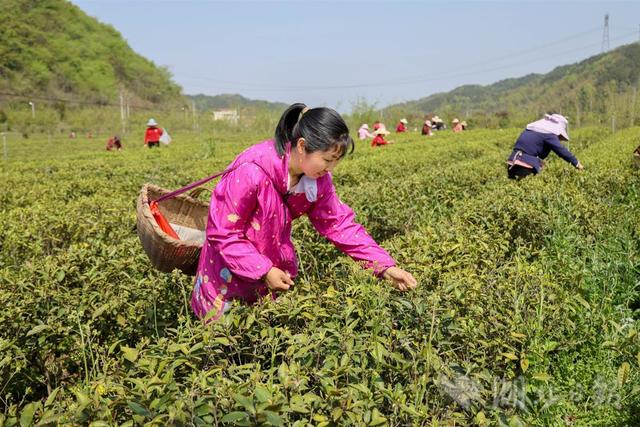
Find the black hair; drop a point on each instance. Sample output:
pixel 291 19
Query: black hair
pixel 322 128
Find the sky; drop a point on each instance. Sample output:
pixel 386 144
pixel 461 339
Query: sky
pixel 339 53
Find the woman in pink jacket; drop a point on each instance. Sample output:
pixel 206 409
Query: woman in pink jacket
pixel 248 253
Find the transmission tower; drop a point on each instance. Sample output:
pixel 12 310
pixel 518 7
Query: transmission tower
pixel 605 34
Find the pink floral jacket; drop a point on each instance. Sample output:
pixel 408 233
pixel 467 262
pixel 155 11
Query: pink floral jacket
pixel 249 229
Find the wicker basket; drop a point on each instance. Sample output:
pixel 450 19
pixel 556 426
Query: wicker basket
pixel 165 252
pixel 636 159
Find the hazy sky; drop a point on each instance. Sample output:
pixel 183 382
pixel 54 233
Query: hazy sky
pixel 335 52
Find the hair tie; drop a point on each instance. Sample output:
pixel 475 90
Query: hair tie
pixel 304 110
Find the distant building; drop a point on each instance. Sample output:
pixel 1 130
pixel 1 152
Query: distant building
pixel 228 115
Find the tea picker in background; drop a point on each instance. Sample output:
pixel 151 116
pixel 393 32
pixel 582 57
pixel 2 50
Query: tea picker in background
pixel 114 143
pixel 456 126
pixel 636 157
pixel 426 128
pixel 402 126
pixel 248 253
pixel 438 123
pixel 464 125
pixel 536 142
pixel 379 140
pixel 153 134
pixel 363 132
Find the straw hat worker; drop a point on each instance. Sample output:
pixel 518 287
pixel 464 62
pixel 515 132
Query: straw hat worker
pixel 379 140
pixel 456 126
pixel 402 126
pixel 363 132
pixel 153 134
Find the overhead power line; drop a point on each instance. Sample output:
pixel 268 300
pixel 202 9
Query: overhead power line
pixel 402 80
pixel 34 97
pixel 433 77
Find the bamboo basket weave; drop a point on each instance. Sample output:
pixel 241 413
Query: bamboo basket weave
pixel 165 252
pixel 636 158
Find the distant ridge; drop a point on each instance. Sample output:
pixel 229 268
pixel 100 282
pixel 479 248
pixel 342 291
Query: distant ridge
pixel 598 86
pixel 204 102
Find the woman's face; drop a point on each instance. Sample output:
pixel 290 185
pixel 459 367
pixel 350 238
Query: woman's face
pixel 319 163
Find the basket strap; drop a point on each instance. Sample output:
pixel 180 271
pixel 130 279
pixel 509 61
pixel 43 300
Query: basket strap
pixel 201 182
pixel 189 187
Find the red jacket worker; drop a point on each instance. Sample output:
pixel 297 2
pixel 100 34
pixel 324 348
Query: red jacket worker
pixel 379 137
pixel 153 134
pixel 402 126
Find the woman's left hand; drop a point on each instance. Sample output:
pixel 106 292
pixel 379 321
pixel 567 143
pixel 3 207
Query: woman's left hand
pixel 400 279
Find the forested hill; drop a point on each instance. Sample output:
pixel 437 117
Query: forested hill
pixel 601 85
pixel 52 48
pixel 207 102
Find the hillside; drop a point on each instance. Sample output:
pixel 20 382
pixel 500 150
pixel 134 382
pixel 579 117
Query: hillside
pixel 598 87
pixel 207 102
pixel 51 48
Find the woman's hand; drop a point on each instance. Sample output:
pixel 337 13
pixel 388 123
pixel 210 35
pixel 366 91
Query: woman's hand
pixel 278 280
pixel 400 279
pixel 579 166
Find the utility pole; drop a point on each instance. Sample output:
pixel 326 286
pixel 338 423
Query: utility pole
pixel 193 110
pixel 122 110
pixel 633 102
pixel 605 34
pixel 33 109
pixel 613 123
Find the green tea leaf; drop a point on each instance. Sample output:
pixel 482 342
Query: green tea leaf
pixel 37 329
pixel 235 416
pixel 510 356
pixel 623 373
pixel 26 417
pixel 131 354
pixel 262 394
pixel 273 418
pixel 138 409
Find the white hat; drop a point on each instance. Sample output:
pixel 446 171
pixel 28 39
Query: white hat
pixel 152 122
pixel 381 131
pixel 364 126
pixel 551 123
pixel 456 120
pixel 404 121
pixel 427 122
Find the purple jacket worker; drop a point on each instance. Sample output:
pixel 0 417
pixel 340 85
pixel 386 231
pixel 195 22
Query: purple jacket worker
pixel 536 142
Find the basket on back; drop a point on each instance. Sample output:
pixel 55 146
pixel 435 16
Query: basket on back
pixel 164 251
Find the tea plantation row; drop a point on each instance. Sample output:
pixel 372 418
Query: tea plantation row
pixel 527 311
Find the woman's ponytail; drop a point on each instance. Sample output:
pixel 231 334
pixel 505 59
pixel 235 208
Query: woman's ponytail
pixel 322 129
pixel 286 125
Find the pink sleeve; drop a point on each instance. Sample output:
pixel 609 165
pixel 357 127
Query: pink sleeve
pixel 336 221
pixel 235 201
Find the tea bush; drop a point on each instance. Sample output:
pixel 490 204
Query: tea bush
pixel 527 311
